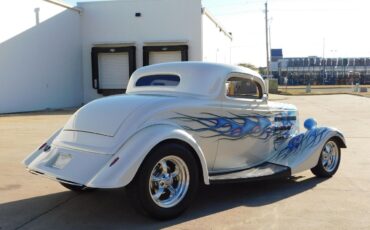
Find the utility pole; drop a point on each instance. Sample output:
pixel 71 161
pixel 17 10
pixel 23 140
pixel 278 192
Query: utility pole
pixel 267 51
pixel 323 62
pixel 267 48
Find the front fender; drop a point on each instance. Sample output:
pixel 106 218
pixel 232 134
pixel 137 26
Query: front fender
pixel 134 151
pixel 28 160
pixel 303 151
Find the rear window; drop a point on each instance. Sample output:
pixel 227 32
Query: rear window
pixel 158 80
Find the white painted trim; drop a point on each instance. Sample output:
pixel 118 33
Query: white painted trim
pixel 166 42
pixel 214 20
pixel 65 5
pixel 118 44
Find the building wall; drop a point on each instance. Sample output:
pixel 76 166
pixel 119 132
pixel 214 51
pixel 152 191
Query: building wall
pixel 216 44
pixel 114 22
pixel 40 60
pixel 45 49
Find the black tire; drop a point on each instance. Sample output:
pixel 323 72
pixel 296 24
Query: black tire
pixel 75 188
pixel 319 170
pixel 139 190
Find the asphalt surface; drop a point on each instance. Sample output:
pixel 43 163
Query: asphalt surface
pixel 303 202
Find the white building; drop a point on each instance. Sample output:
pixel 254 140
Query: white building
pixel 55 56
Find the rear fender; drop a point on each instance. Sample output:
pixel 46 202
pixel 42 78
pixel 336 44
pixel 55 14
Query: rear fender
pixel 134 151
pixel 28 160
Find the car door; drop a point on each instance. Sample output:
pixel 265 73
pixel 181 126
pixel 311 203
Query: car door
pixel 245 140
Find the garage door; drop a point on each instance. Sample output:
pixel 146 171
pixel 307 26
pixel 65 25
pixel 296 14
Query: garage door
pixel 165 53
pixel 114 71
pixel 167 56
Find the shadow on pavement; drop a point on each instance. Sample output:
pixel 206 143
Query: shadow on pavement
pixel 47 112
pixel 111 209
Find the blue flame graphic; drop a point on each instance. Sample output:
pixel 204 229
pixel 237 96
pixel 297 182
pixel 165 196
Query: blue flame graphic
pixel 232 128
pixel 302 142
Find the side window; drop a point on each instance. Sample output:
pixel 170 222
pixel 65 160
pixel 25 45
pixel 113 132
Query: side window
pixel 238 87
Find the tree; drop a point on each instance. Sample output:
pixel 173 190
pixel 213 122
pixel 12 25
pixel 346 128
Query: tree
pixel 248 65
pixel 260 70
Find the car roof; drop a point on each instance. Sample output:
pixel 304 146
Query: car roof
pixel 196 78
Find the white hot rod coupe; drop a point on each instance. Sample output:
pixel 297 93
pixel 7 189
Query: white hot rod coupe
pixel 179 125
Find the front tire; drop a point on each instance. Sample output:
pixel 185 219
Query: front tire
pixel 329 160
pixel 166 182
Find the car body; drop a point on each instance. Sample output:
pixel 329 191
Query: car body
pixel 219 113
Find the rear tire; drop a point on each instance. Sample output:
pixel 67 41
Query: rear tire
pixel 166 182
pixel 329 160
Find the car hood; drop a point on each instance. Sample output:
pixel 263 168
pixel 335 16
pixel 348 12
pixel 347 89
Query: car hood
pixel 282 106
pixel 105 116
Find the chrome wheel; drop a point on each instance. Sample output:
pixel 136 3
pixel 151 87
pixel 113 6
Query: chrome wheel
pixel 330 156
pixel 169 181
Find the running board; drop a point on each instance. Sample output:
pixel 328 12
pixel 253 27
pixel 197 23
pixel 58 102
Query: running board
pixel 260 172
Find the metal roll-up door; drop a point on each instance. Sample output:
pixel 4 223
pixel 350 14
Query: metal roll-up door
pixel 161 57
pixel 164 53
pixel 114 70
pixel 111 68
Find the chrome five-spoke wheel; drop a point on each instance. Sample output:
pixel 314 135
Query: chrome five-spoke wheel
pixel 330 156
pixel 169 181
pixel 329 160
pixel 166 182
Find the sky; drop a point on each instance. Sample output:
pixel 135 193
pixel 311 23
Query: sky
pixel 329 28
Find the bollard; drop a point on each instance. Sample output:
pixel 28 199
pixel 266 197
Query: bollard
pixel 308 88
pixel 357 88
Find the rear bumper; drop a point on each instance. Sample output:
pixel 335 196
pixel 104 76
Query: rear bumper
pixel 55 178
pixel 79 169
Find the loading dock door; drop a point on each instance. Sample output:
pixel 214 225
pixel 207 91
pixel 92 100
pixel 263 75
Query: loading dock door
pixel 114 70
pixel 160 54
pixel 160 57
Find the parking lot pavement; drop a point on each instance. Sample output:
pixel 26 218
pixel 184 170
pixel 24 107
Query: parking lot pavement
pixel 303 202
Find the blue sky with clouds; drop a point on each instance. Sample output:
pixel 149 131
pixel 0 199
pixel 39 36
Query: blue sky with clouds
pixel 301 27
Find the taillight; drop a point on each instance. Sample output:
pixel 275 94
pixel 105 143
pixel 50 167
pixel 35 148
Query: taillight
pixel 114 161
pixel 43 146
